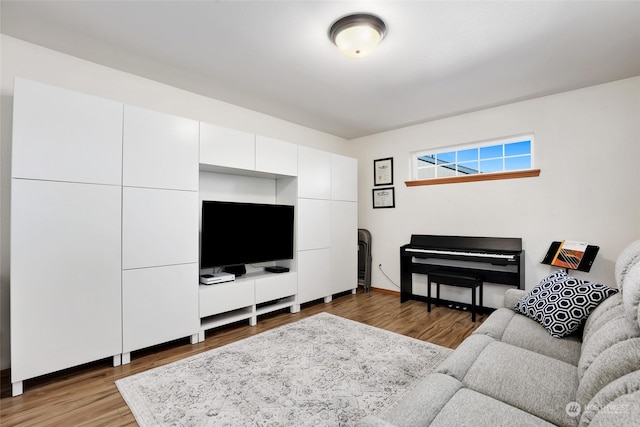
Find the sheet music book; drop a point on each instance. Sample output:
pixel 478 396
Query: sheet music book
pixel 571 255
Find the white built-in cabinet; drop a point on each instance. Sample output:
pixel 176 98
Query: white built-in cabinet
pixel 246 152
pixel 314 224
pixel 227 147
pixel 277 157
pixel 327 225
pixel 272 165
pixel 344 252
pixel 314 177
pixel 159 304
pixel 344 223
pixel 159 229
pixel 314 249
pixel 60 135
pixel 105 219
pixel 159 150
pixel 65 230
pixel 344 179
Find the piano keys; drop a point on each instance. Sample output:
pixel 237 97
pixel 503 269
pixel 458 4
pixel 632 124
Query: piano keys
pixel 497 260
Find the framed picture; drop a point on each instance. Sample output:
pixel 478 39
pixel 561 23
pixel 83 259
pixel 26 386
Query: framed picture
pixel 384 198
pixel 383 171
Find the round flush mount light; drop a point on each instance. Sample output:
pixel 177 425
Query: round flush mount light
pixel 357 35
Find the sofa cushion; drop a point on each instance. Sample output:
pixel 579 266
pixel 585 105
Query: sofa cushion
pixel 561 303
pixel 631 294
pixel 534 383
pixel 610 347
pixel 615 362
pixel 459 362
pixel 609 309
pixel 512 328
pixel 470 408
pixel 615 331
pixel 421 404
pixel 440 400
pixel 627 259
pixel 624 411
pixel 617 403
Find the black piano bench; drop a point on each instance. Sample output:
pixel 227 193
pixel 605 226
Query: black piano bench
pixel 465 280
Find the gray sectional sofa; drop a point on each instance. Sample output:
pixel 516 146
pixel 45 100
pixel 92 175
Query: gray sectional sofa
pixel 512 372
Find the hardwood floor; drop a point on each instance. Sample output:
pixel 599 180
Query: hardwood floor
pixel 87 395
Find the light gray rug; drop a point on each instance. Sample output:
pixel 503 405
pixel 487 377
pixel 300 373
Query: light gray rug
pixel 322 370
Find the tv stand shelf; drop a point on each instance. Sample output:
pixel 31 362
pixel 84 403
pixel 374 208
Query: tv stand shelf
pixel 275 305
pixel 226 318
pixel 249 296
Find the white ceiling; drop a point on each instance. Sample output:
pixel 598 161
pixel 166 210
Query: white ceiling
pixel 439 58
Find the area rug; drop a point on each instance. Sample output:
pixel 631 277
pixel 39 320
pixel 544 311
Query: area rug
pixel 322 371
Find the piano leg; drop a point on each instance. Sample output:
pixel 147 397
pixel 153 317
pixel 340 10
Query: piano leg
pixel 453 278
pixel 473 304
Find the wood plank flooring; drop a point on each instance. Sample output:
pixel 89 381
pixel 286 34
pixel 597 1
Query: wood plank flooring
pixel 87 395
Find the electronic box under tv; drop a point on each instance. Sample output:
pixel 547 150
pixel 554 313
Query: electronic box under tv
pixel 276 269
pixel 212 279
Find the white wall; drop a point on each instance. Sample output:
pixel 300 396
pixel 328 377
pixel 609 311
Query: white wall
pixel 578 134
pixel 587 145
pixel 21 59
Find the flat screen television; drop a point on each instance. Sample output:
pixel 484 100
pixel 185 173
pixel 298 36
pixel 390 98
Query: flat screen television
pixel 235 234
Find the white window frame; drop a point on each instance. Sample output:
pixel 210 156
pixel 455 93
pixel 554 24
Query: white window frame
pixel 453 166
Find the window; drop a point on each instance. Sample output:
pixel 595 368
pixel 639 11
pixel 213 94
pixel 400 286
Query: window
pixel 490 157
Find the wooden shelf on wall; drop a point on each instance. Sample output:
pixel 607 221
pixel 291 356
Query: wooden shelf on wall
pixel 473 178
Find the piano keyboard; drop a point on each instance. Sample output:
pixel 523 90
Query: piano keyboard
pixel 460 253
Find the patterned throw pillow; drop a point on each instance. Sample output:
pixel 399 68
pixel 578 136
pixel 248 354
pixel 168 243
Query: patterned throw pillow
pixel 561 303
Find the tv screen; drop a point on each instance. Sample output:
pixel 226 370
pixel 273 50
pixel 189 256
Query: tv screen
pixel 245 233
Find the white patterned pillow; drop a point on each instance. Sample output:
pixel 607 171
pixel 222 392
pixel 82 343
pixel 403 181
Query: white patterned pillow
pixel 561 303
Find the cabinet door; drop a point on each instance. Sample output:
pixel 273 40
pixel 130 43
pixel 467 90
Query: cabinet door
pixel 314 173
pixel 65 275
pixel 344 178
pixel 159 227
pixel 224 297
pixel 314 275
pixel 314 224
pixel 344 246
pixel 61 135
pixel 159 304
pixel 227 147
pixel 276 286
pixel 159 150
pixel 275 156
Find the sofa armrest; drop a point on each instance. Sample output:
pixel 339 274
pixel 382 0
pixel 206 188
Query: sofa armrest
pixel 512 296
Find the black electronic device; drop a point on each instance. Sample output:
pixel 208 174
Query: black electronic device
pixel 277 269
pixel 235 234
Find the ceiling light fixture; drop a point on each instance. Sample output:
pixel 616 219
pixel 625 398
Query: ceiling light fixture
pixel 357 35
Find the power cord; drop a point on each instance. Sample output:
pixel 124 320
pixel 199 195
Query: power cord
pixel 388 278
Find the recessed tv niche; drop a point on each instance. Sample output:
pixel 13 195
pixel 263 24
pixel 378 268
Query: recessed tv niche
pixel 235 234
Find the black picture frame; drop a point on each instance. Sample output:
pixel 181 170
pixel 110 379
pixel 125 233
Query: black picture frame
pixel 383 171
pixel 383 198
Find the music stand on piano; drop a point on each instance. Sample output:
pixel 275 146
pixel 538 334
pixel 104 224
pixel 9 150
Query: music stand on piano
pixel 571 255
